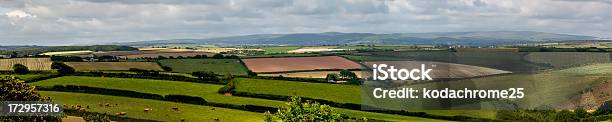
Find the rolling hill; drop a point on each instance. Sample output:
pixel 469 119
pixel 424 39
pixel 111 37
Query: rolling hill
pixel 332 38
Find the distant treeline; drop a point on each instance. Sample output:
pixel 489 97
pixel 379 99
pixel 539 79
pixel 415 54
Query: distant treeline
pixel 35 50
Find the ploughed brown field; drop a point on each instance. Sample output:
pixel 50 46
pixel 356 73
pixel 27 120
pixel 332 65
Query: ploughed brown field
pixel 269 65
pixel 308 74
pixel 34 64
pixel 113 66
pixel 443 70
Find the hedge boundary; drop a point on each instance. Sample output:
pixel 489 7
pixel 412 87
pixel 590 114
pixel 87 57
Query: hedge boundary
pixel 171 97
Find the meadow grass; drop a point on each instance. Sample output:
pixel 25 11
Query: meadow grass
pixel 219 66
pixel 206 91
pixel 161 110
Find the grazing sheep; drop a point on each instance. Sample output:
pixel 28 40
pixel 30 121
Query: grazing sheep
pixel 212 109
pixel 182 119
pixel 147 109
pixel 216 119
pixel 175 108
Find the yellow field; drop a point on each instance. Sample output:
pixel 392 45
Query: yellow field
pixel 112 66
pixel 64 53
pixel 316 49
pixel 33 64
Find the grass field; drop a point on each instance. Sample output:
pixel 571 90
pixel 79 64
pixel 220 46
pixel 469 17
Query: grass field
pixel 206 91
pixel 113 66
pixel 161 87
pixel 219 66
pixel 332 92
pixel 279 49
pixel 33 64
pixel 161 110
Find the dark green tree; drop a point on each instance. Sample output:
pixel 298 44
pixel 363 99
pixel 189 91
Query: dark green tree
pixel 62 68
pixel 331 77
pixel 604 109
pixel 347 74
pixel 20 69
pixel 167 69
pixel 217 56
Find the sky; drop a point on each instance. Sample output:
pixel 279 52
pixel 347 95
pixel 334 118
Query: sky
pixel 74 22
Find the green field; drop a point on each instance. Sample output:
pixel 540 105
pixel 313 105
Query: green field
pixel 161 87
pixel 279 49
pixel 206 91
pixel 219 66
pixel 332 92
pixel 161 110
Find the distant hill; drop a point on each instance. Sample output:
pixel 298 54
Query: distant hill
pixel 332 38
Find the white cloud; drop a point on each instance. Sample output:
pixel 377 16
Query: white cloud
pixel 19 14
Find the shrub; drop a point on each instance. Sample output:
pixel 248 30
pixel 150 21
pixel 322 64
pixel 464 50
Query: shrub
pixel 20 69
pixel 62 68
pixel 167 69
pixel 13 89
pixel 296 111
pixel 185 99
pixel 604 109
pixel 217 56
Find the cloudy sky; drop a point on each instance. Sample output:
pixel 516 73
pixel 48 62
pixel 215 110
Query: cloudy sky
pixel 67 22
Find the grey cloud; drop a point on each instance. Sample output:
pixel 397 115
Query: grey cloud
pixel 85 21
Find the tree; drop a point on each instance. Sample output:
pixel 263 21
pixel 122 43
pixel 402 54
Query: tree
pixel 20 69
pixel 604 109
pixel 566 116
pixel 13 89
pixel 217 56
pixel 167 69
pixel 62 68
pixel 581 113
pixel 298 111
pixel 331 77
pixel 347 74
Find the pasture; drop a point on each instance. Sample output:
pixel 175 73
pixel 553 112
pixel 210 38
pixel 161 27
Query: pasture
pixel 33 64
pixel 160 110
pixel 333 92
pixel 218 66
pixel 270 65
pixel 113 66
pixel 206 91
